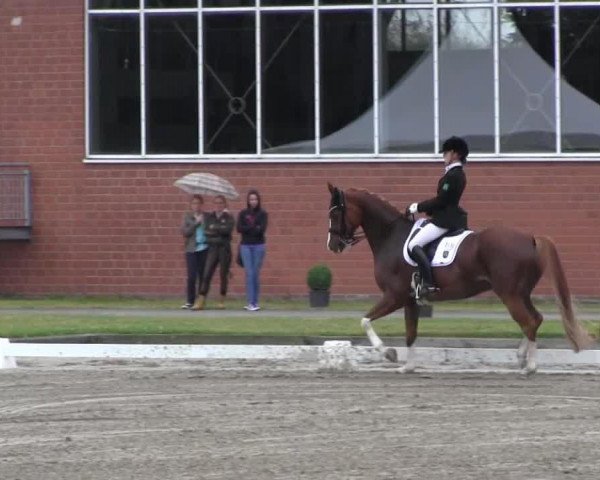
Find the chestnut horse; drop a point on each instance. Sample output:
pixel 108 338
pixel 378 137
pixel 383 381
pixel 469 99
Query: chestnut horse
pixel 505 261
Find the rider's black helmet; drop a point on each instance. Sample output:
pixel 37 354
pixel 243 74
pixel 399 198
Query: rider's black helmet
pixel 458 145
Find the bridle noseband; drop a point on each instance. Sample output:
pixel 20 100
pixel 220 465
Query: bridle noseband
pixel 338 201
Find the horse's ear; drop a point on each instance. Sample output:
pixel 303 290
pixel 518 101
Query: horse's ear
pixel 331 187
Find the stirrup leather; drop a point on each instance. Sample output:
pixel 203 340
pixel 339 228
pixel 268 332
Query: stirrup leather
pixel 415 285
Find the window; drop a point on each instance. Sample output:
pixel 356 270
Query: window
pixel 293 80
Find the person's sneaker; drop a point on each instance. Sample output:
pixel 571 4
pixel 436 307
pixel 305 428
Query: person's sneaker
pixel 186 306
pixel 248 307
pixel 254 308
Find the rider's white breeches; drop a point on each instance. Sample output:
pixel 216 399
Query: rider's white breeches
pixel 426 235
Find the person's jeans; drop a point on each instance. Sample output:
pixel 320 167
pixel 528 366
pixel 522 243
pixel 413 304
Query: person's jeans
pixel 195 269
pixel 252 257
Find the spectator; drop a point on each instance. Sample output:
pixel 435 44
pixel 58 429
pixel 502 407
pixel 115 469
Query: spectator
pixel 195 249
pixel 252 224
pixel 219 225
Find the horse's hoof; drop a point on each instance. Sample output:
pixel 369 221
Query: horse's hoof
pixel 528 371
pixel 391 355
pixel 407 369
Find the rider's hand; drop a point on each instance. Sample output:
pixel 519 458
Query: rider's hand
pixel 413 208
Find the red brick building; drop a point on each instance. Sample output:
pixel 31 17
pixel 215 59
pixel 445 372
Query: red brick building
pixel 109 224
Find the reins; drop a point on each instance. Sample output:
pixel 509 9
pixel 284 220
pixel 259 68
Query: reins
pixel 339 202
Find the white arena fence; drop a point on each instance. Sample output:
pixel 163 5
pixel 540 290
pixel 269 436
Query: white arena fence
pixel 332 354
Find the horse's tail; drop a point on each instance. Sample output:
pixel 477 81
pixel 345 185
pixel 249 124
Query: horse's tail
pixel 576 333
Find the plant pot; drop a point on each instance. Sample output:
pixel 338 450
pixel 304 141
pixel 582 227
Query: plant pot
pixel 319 298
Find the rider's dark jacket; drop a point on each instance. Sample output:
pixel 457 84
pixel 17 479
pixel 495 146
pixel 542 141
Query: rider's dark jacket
pixel 443 209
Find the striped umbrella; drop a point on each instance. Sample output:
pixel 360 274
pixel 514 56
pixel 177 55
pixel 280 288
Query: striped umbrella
pixel 206 184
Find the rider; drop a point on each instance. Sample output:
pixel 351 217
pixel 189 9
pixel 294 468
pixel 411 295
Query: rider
pixel 444 212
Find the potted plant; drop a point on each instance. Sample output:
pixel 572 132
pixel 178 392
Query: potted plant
pixel 319 281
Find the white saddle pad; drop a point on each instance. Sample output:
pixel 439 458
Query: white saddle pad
pixel 445 252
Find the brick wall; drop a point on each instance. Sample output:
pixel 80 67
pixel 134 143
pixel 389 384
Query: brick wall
pixel 113 229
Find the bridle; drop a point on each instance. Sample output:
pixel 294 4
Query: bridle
pixel 338 202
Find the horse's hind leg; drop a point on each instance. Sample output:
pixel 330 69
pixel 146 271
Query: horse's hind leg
pixel 387 304
pixel 529 319
pixel 528 361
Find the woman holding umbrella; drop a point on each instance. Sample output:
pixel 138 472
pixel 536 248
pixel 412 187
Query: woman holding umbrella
pixel 196 248
pixel 195 230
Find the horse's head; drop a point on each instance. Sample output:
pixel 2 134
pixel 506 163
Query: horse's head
pixel 344 219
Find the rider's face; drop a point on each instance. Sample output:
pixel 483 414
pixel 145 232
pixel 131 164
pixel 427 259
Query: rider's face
pixel 450 157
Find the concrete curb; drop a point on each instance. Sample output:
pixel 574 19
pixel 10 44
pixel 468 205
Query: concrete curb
pixel 332 354
pixel 184 339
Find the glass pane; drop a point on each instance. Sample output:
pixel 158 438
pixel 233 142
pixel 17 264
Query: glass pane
pixel 285 3
pixel 346 42
pixel 229 83
pixel 467 1
pixel 392 2
pixel 343 2
pixel 228 3
pixel 288 75
pixel 580 70
pixel 172 84
pixel 527 97
pixel 113 4
pixel 171 3
pixel 406 81
pixel 114 80
pixel 388 2
pixel 466 77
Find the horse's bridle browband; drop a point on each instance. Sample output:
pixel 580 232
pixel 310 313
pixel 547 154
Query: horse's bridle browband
pixel 346 238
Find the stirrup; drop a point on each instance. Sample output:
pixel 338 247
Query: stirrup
pixel 418 292
pixel 424 291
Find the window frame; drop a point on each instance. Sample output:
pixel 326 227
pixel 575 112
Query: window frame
pixel 376 156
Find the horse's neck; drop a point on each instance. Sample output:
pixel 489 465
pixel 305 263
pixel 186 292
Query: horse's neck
pixel 379 222
pixel 378 234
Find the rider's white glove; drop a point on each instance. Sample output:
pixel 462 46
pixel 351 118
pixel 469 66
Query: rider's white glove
pixel 414 208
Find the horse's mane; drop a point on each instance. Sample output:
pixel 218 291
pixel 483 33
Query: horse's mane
pixel 383 205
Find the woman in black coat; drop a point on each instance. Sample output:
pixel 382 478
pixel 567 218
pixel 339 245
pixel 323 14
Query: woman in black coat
pixel 444 212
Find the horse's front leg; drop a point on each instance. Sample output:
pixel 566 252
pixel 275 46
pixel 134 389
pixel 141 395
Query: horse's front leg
pixel 411 321
pixel 387 304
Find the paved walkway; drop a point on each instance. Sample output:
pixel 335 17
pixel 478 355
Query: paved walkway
pixel 235 313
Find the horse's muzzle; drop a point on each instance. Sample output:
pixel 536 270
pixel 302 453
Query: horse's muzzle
pixel 336 246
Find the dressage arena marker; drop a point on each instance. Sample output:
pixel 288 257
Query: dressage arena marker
pixel 332 354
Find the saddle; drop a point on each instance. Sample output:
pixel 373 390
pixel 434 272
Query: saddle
pixel 441 252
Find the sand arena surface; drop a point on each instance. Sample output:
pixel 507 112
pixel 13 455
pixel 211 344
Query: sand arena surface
pixel 262 420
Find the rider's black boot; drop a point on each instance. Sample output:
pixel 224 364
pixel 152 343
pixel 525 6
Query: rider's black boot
pixel 419 256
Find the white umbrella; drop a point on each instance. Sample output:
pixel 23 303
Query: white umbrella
pixel 206 184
